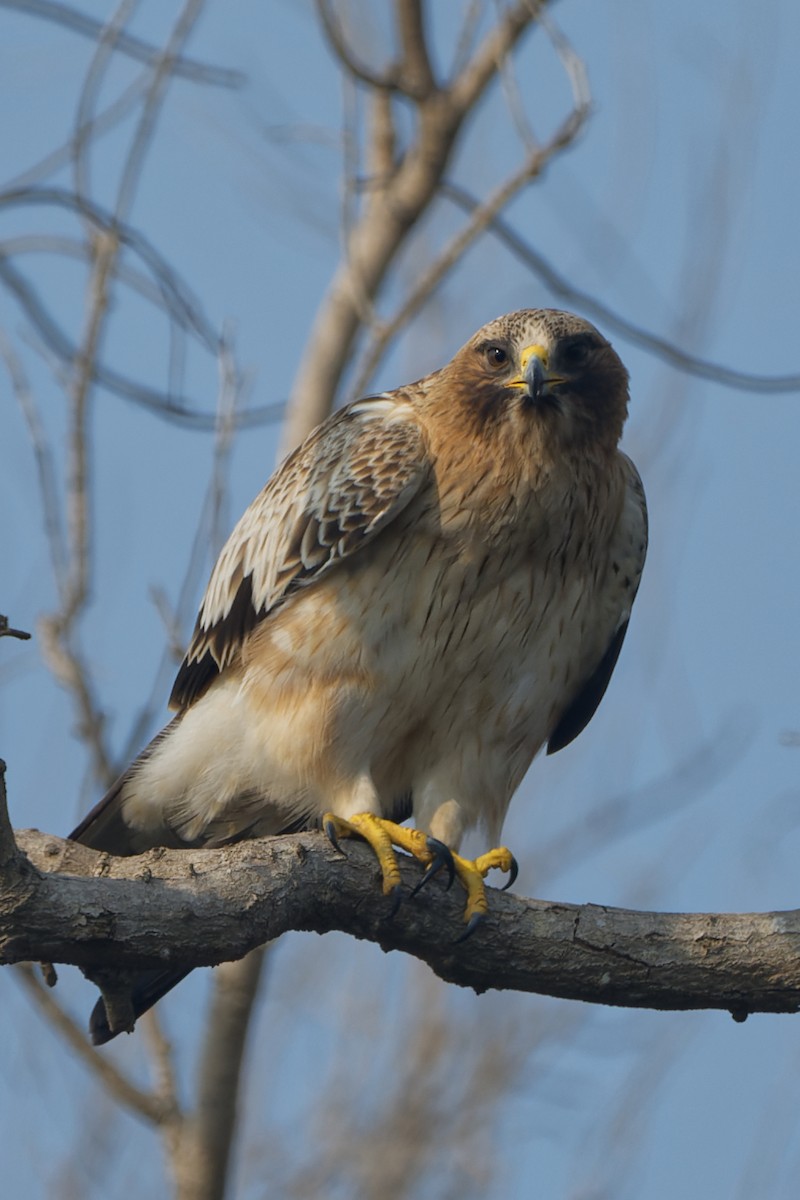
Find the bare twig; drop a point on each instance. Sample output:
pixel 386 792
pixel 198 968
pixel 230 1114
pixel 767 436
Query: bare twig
pixel 123 1090
pixel 82 136
pixel 43 457
pixel 134 47
pixel 690 364
pixel 456 1066
pixel 7 631
pixel 178 410
pixel 207 540
pixel 482 217
pixel 176 296
pixel 78 438
pixel 100 124
pixel 230 395
pixel 81 250
pixel 186 306
pixel 61 630
pixel 359 70
pixel 466 38
pixel 514 103
pixel 348 213
pixel 163 70
pixel 163 1065
pixel 470 84
pixel 72 670
pixel 393 206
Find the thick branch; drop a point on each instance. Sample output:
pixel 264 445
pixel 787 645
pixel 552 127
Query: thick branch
pixel 418 77
pixel 86 909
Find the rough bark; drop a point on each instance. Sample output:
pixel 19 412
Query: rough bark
pixel 208 906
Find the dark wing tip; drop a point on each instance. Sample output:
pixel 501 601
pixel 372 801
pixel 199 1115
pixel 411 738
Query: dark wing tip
pixel 582 707
pixel 194 677
pixel 213 648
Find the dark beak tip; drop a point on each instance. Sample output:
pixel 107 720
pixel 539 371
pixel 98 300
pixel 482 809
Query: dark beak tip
pixel 534 377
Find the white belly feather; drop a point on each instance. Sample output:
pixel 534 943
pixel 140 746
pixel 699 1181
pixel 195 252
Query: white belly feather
pixel 353 695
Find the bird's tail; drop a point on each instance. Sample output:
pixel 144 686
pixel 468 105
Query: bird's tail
pixel 147 989
pixel 105 828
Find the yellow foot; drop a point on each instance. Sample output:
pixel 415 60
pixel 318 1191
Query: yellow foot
pixel 383 836
pixel 472 873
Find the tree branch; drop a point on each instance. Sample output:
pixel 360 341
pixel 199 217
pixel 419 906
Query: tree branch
pixel 134 47
pixel 6 631
pixel 338 43
pixel 176 299
pixel 201 1157
pixel 395 203
pixel 146 1105
pixel 85 908
pixel 637 335
pixel 418 77
pixel 481 218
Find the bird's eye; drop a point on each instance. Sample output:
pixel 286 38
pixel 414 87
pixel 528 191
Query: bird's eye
pixel 496 356
pixel 575 353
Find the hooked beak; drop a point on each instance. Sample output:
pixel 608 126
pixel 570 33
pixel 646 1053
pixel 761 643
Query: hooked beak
pixel 535 377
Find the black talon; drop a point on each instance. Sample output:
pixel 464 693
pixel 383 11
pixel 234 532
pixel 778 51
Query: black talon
pixel 330 833
pixel 513 872
pixel 396 895
pixel 475 920
pixel 429 873
pixel 442 857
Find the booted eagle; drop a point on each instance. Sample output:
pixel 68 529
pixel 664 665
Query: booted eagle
pixel 432 587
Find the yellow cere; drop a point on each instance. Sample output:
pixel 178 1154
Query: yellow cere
pixel 530 352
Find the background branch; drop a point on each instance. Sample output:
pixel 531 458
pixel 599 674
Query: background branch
pixel 558 285
pixel 662 226
pixel 7 631
pixel 122 1089
pixel 134 47
pixel 397 200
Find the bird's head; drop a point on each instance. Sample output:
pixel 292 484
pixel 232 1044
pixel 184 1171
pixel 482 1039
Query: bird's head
pixel 546 370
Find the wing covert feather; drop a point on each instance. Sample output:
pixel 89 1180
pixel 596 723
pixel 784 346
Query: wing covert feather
pixel 344 484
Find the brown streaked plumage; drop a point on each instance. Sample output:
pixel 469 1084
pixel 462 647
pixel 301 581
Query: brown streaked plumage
pixel 432 587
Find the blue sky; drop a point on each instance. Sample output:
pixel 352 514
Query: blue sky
pixel 677 209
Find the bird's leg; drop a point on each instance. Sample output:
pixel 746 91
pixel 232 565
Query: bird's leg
pixel 383 836
pixel 472 872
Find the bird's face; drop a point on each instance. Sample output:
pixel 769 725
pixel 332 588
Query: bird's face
pixel 546 370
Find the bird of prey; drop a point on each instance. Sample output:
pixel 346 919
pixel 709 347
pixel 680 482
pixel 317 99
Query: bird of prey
pixel 432 587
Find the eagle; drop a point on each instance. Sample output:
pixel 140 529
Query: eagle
pixel 435 585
